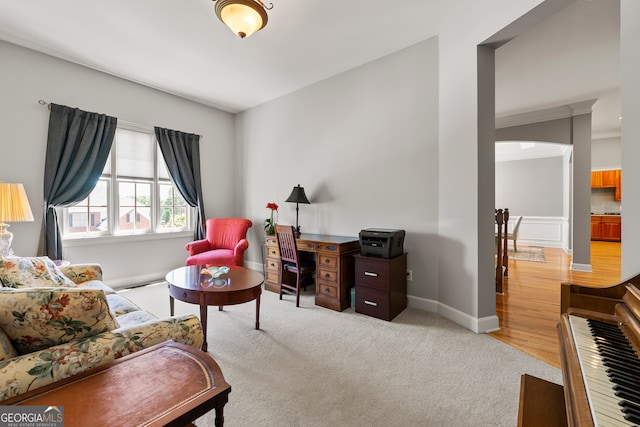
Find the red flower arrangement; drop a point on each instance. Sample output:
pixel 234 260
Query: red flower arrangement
pixel 269 224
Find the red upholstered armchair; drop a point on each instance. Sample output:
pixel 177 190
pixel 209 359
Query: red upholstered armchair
pixel 225 243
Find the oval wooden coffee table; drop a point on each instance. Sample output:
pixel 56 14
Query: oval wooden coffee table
pixel 240 285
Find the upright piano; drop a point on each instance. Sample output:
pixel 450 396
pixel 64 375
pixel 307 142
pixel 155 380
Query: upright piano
pixel 599 333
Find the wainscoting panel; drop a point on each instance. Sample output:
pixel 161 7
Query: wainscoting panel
pixel 551 232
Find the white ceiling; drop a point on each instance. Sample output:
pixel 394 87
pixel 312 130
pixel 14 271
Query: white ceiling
pixel 182 48
pixel 571 57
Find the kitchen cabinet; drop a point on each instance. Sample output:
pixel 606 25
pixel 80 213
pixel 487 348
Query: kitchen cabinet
pixel 608 179
pixel 596 228
pixel 606 227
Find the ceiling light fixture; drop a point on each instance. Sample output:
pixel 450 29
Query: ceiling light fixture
pixel 244 17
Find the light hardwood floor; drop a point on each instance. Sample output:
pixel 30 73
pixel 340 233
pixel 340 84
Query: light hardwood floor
pixel 529 308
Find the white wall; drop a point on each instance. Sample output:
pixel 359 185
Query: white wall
pixel 531 187
pixel 28 76
pixel 606 154
pixel 630 90
pixel 535 189
pixel 466 266
pixel 363 144
pixel 392 144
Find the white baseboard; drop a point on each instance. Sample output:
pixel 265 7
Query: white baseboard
pixel 133 281
pixel 252 265
pixel 581 267
pixel 154 277
pixel 477 325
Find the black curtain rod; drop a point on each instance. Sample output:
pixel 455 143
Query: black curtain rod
pixel 48 104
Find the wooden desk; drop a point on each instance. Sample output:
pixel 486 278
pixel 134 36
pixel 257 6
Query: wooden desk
pixel 334 267
pixel 169 384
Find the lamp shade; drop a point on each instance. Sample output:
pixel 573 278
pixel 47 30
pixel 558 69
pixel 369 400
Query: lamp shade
pixel 297 196
pixel 14 205
pixel 244 17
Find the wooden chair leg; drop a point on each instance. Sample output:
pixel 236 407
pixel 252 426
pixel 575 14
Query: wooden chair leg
pixel 298 289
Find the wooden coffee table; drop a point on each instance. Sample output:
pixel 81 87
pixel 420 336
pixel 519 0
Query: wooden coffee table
pixel 240 285
pixel 169 384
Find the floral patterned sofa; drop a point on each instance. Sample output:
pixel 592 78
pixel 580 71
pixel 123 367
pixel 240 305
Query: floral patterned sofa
pixel 59 321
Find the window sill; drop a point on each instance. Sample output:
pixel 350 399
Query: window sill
pixel 123 239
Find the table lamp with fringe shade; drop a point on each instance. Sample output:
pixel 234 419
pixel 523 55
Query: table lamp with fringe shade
pixel 14 207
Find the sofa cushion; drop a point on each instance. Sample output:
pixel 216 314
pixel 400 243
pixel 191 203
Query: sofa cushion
pixel 133 318
pixel 7 351
pixel 31 272
pixel 81 273
pixel 97 285
pixel 38 318
pixel 120 305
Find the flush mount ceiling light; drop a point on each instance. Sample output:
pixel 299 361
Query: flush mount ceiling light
pixel 244 17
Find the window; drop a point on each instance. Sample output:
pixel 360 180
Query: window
pixel 134 195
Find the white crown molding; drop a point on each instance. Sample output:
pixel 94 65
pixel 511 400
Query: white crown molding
pixel 533 117
pixel 606 133
pixel 584 107
pixel 555 113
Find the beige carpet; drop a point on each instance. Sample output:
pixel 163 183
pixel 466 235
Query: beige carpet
pixel 527 253
pixel 310 366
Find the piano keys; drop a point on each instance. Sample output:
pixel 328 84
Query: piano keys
pixel 599 333
pixel 610 370
pixel 601 363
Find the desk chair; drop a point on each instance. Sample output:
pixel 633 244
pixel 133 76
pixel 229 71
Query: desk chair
pixel 290 262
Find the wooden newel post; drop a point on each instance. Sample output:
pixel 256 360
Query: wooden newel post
pixel 499 248
pixel 505 253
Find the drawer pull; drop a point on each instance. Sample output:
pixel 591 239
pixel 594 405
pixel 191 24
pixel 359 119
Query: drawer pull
pixel 368 273
pixel 273 265
pixel 375 304
pixel 327 276
pixel 184 295
pixel 327 290
pixel 327 261
pixel 273 252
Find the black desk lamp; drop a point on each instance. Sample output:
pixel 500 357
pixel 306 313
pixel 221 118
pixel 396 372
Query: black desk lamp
pixel 297 196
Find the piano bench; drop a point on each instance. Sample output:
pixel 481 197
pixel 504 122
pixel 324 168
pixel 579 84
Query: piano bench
pixel 541 403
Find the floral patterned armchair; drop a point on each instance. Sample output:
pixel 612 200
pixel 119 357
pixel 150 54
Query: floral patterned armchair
pixel 58 322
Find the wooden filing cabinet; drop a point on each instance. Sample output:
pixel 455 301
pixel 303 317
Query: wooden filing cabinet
pixel 333 256
pixel 381 285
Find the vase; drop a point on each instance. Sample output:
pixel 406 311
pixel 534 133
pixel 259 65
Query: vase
pixel 270 225
pixel 270 229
